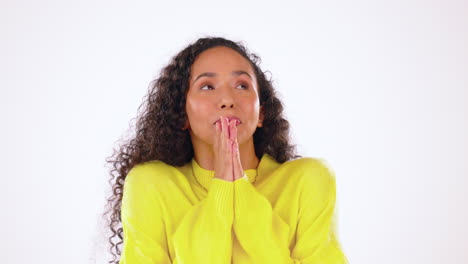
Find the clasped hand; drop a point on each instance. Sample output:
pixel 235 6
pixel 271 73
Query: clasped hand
pixel 227 158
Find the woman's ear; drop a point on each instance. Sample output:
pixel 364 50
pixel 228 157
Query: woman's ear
pixel 261 117
pixel 186 125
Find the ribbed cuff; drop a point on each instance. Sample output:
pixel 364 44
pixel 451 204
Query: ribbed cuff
pixel 242 191
pixel 247 202
pixel 221 193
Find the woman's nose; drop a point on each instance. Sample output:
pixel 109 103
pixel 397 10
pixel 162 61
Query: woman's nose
pixel 231 105
pixel 226 101
pixel 226 98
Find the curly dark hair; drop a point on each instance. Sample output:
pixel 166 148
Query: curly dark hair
pixel 158 128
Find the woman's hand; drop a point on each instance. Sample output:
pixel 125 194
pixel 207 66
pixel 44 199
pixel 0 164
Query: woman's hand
pixel 226 148
pixel 223 151
pixel 238 172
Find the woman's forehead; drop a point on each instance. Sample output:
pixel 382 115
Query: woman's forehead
pixel 220 60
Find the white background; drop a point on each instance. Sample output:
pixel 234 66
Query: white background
pixel 378 89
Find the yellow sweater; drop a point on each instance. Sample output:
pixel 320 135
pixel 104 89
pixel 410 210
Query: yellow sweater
pixel 279 213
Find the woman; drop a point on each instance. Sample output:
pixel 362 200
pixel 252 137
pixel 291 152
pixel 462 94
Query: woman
pixel 211 176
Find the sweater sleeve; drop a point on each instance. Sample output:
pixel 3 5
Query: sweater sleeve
pixel 142 222
pixel 316 238
pixel 261 233
pixel 264 235
pixel 205 233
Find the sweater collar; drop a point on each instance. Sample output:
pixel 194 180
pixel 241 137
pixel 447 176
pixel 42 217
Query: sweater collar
pixel 265 165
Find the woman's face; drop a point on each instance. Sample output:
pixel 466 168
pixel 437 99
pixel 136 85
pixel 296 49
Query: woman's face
pixel 221 83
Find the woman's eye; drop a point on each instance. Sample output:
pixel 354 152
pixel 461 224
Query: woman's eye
pixel 201 88
pixel 211 87
pixel 245 85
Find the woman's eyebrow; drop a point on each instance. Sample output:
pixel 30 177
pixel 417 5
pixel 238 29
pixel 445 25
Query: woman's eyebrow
pixel 213 74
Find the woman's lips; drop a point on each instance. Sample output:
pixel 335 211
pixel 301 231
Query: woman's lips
pixel 230 118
